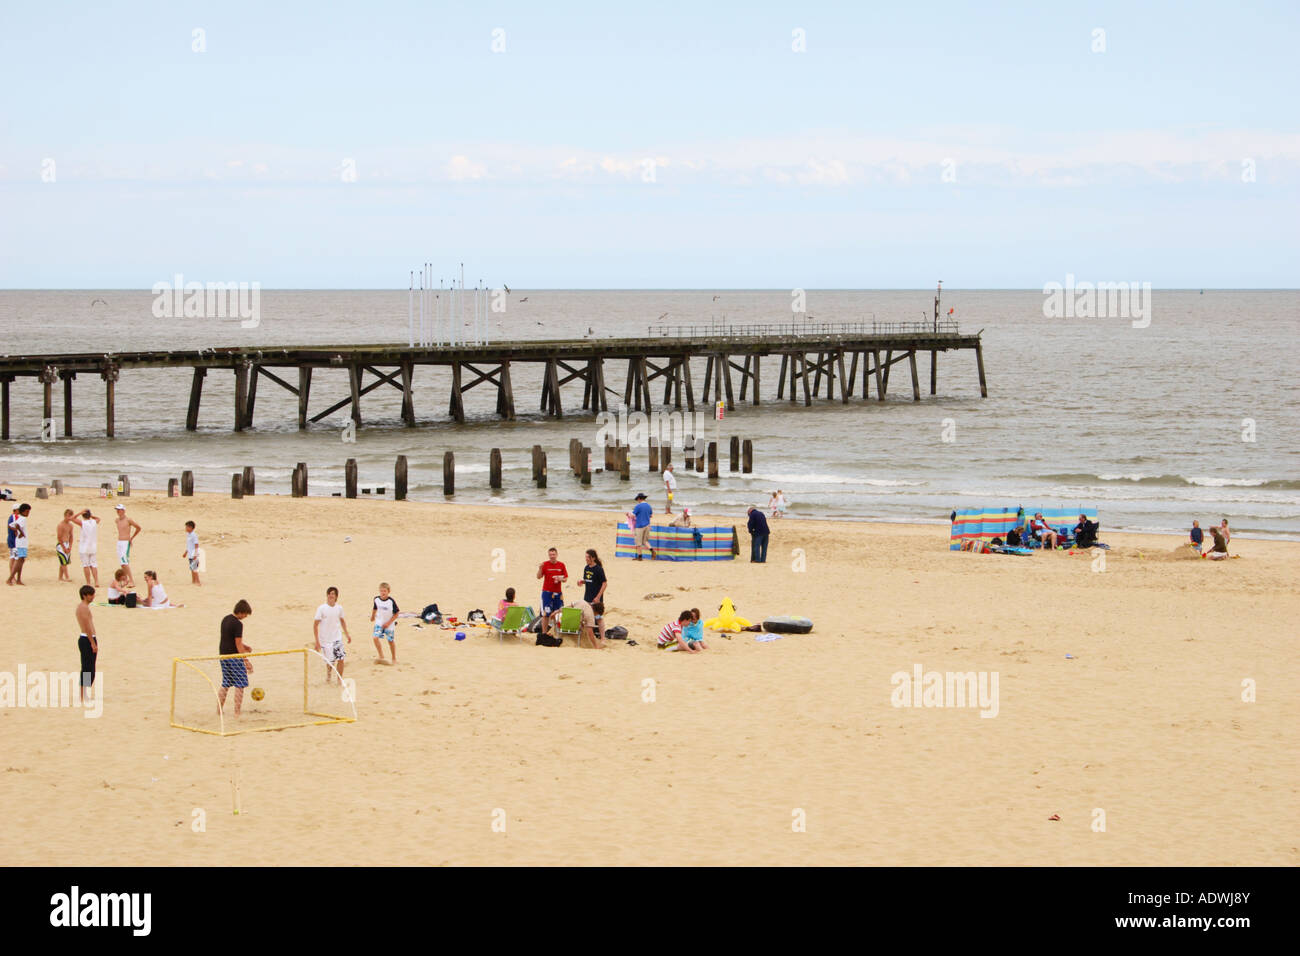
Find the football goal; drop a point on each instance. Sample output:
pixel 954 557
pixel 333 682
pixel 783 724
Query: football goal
pixel 227 694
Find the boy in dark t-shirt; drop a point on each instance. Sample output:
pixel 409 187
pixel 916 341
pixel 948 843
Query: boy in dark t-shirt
pixel 234 670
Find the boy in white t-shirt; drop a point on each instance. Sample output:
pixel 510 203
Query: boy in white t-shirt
pixel 89 525
pixel 191 554
pixel 383 614
pixel 329 629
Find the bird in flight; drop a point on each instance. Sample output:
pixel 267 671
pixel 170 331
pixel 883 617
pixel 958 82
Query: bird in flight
pixel 506 287
pixel 95 302
pixel 524 299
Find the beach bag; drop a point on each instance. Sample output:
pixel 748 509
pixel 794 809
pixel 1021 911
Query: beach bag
pixel 476 615
pixel 616 633
pixel 545 640
pixel 431 615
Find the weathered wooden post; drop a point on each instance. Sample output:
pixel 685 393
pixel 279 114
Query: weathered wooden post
pixel 57 485
pixel 173 488
pixel 399 479
pixel 537 461
pixel 249 480
pixel 494 469
pixel 42 492
pixel 713 460
pixel 584 464
pixel 746 456
pixel 699 454
pixel 350 478
pixel 237 485
pixel 735 454
pixel 123 486
pixel 665 456
pixel 448 473
pixel 625 464
pixel 541 471
pixel 187 484
pixel 106 489
pixel 300 480
pixel 654 455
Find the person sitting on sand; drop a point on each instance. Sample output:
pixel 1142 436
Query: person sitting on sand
pixel 693 632
pixel 683 520
pixel 1042 532
pixel 1220 549
pixel 119 590
pixel 157 597
pixel 1085 532
pixel 1015 538
pixel 590 612
pixel 672 633
pixel 1198 537
pixel 506 603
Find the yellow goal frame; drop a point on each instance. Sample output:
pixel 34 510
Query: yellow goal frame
pixel 320 717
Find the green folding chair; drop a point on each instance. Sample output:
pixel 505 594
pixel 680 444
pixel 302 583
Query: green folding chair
pixel 571 623
pixel 516 619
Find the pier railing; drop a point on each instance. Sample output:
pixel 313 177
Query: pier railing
pixel 804 329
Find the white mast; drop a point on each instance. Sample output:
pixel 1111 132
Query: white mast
pixel 410 310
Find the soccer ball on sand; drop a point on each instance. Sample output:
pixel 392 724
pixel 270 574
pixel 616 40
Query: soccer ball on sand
pixel 258 693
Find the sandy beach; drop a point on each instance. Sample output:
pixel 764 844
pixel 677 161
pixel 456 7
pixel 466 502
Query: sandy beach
pixel 1119 691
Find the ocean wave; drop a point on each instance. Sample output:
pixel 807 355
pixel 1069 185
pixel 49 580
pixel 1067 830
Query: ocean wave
pixel 814 479
pixel 1175 481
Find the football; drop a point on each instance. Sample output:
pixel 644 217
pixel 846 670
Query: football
pixel 258 693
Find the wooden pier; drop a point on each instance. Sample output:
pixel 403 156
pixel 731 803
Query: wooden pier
pixel 844 359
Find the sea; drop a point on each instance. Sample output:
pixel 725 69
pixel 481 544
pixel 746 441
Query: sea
pixel 1192 412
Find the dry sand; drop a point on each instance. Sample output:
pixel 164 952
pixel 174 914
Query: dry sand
pixel 1146 721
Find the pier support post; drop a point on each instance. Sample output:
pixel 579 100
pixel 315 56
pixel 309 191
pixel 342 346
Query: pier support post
pixel 880 379
pixel 254 373
pixel 399 479
pixel 916 384
pixel 304 390
pixel 456 407
pixel 846 387
pixel 67 402
pixel 350 478
pixel 48 377
pixel 624 463
pixel 584 464
pixel 448 474
pixel 187 484
pixel 541 472
pixel 780 378
pixel 734 462
pixel 494 469
pixel 725 362
pixel 354 383
pixel 934 368
pixel 173 488
pixel 889 362
pixel 241 395
pixel 408 401
pixel 803 365
pixel 196 395
pixel 690 391
pixel 4 406
pixel 758 381
pixel 713 461
pixel 537 462
pixel 979 362
pixel 249 480
pixel 236 485
pixel 654 455
pixel 109 375
pixel 505 393
pixel 746 456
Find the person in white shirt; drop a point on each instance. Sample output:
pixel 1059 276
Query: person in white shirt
pixel 329 629
pixel 192 552
pixel 670 486
pixel 88 549
pixel 157 597
pixel 18 556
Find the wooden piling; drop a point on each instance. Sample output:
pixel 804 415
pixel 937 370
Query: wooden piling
pixel 67 402
pixel 124 486
pixel 713 460
pixel 42 492
pixel 746 456
pixel 979 362
pixel 250 482
pixel 187 484
pixel 173 488
pixel 734 449
pixel 304 393
pixel 665 456
pixel 303 490
pixel 494 469
pixel 654 455
pixel 399 479
pixel 538 457
pixel 448 473
pixel 541 471
pixel 916 383
pixel 350 478
pixel 57 485
pixel 584 464
pixel 625 463
pixel 196 395
pixel 236 485
pixel 241 395
pixel 109 375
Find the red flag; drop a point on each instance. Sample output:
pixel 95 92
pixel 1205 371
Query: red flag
pixel 950 311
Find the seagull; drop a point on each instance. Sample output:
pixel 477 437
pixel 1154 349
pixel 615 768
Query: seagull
pixel 590 330
pixel 524 299
pixel 715 298
pixel 95 302
pixel 506 287
pixel 662 317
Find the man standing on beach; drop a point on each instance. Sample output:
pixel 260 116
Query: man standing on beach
pixel 18 554
pixel 87 642
pixel 758 532
pixel 552 573
pixel 12 536
pixel 670 486
pixel 191 554
pixel 125 535
pixel 641 525
pixel 89 545
pixel 63 545
pixel 329 629
pixel 234 670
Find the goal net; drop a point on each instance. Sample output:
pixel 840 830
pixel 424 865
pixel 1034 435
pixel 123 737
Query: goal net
pixel 230 694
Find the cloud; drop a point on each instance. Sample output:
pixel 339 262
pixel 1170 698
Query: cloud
pixel 461 169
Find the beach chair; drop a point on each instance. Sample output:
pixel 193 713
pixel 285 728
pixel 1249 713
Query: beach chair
pixel 517 618
pixel 571 623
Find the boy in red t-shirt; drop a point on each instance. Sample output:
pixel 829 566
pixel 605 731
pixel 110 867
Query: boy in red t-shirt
pixel 552 573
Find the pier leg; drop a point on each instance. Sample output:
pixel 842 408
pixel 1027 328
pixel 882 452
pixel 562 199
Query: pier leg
pixel 889 363
pixel 817 374
pixel 304 391
pixel 677 384
pixel 627 391
pixel 408 400
pixel 354 383
pixel 758 382
pixel 196 393
pixel 780 378
pixel 934 368
pixel 456 407
pixel 846 386
pixel 708 379
pixel 916 383
pixel 47 386
pixel 803 361
pixel 744 378
pixel 880 379
pixel 643 374
pixel 725 362
pixel 602 401
pixel 853 375
pixel 690 392
pixel 110 400
pixel 506 395
pixel 241 395
pixel 668 383
pixel 67 402
pixel 979 362
pixel 4 407
pixel 553 387
pixel 253 375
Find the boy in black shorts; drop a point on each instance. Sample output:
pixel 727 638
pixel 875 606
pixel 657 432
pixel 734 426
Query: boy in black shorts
pixel 87 643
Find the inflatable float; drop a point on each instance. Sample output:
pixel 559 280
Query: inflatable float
pixel 787 625
pixel 727 619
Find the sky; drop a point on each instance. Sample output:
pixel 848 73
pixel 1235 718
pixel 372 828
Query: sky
pixel 665 145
